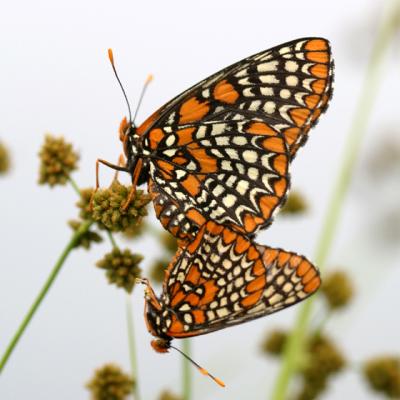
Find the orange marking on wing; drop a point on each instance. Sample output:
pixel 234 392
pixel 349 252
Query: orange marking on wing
pixel 165 168
pixel 179 160
pixel 313 285
pixel 178 298
pixel 193 275
pixel 241 245
pixel 257 284
pixel 252 253
pixel 258 268
pixel 193 110
pixel 270 255
pixel 283 258
pixel 268 204
pixel 275 144
pixel 295 260
pixel 210 289
pixel 299 115
pixel 192 299
pixel 192 247
pixel 175 288
pixel 191 185
pixel 319 70
pixel 185 136
pixel 198 316
pixel 280 164
pixel 318 86
pixel 316 45
pixel 316 114
pixel 214 228
pixel 280 187
pixel 317 56
pixel 176 326
pixel 259 128
pixel 155 136
pixel 312 100
pixel 303 268
pixel 249 223
pixel 207 164
pixel 147 123
pixel 309 275
pixel 291 135
pixel 252 299
pixel 225 92
pixel 229 236
pixel 195 216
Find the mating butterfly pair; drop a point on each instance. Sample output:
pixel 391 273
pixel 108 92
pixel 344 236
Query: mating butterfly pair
pixel 216 160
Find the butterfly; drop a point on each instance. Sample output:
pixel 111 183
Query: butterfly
pixel 216 160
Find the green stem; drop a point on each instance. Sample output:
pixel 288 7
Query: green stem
pixel 35 305
pixel 112 240
pixel 132 348
pixel 358 129
pixel 75 186
pixel 186 371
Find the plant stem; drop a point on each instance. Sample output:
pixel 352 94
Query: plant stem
pixel 35 305
pixel 132 348
pixel 74 186
pixel 186 372
pixel 112 240
pixel 358 129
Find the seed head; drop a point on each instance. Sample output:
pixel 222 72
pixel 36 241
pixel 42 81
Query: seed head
pixel 110 383
pixel 4 159
pixel 122 268
pixel 383 375
pixel 295 204
pixel 337 289
pixel 88 238
pixel 57 160
pixel 275 342
pixel 167 395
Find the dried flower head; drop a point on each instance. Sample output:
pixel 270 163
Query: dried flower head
pixel 122 268
pixel 88 238
pixel 383 375
pixel 324 360
pixel 275 342
pixel 84 204
pixel 57 160
pixel 110 383
pixel 157 270
pixel 4 159
pixel 169 242
pixel 337 289
pixel 167 395
pixel 108 204
pixel 295 204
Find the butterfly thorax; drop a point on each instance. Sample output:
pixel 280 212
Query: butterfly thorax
pixel 134 151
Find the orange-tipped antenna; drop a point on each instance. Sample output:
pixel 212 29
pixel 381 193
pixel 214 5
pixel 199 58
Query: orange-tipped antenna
pixel 111 58
pixel 202 370
pixel 146 84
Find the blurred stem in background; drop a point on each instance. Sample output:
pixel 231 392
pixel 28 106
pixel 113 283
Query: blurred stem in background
pixel 42 294
pixel 186 371
pixel 132 348
pixel 295 343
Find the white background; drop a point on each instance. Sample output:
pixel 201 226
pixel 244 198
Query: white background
pixel 55 77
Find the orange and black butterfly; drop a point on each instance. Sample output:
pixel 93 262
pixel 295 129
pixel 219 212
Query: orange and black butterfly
pixel 216 159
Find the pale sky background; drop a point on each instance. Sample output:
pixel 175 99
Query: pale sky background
pixel 55 77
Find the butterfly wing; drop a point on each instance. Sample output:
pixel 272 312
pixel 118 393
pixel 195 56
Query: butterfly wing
pixel 221 149
pixel 222 279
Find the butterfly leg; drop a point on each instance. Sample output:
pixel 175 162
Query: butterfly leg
pixel 135 178
pixel 108 164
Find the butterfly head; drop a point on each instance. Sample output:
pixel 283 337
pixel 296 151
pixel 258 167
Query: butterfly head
pixel 161 345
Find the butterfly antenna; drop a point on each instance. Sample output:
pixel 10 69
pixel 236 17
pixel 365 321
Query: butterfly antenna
pixel 111 57
pixel 202 370
pixel 146 84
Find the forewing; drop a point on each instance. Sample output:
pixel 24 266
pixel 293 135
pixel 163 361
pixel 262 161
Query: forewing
pixel 222 279
pixel 211 147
